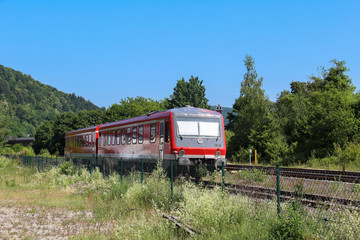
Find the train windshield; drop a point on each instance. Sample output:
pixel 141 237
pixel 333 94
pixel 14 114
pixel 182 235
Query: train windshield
pixel 198 127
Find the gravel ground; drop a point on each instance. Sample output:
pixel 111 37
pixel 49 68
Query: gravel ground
pixel 47 223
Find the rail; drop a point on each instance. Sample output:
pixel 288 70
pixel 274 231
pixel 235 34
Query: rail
pixel 331 175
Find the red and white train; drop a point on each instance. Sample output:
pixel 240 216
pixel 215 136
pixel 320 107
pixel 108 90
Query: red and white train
pixel 188 135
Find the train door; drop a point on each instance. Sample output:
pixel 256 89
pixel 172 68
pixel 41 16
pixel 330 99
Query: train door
pixel 161 140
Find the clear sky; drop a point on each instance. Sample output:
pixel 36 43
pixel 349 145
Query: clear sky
pixel 108 50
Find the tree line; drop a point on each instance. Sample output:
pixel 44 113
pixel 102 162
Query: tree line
pixel 51 134
pixel 316 120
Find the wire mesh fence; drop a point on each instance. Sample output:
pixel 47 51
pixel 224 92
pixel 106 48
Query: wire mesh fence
pixel 333 204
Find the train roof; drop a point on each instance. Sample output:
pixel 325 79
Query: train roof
pixel 148 117
pixel 84 130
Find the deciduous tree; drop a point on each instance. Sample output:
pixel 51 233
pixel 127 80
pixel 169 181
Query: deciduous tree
pixel 190 92
pixel 131 107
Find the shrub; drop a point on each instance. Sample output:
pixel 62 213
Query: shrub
pixel 45 153
pixel 349 155
pixel 7 163
pixel 67 169
pixel 289 226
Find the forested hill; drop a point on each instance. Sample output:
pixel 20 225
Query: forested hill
pixel 29 102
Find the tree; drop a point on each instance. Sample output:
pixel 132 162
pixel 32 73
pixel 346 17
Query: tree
pixel 43 136
pixel 4 128
pixel 51 134
pixel 131 107
pixel 251 114
pixel 320 114
pixel 190 92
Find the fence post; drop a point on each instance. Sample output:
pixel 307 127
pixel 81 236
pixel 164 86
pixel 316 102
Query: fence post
pixel 90 166
pixel 223 175
pixel 104 162
pixel 38 162
pixel 142 170
pixel 56 161
pixel 121 170
pixel 172 178
pixel 278 188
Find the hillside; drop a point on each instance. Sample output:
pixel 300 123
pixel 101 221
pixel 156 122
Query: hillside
pixel 28 102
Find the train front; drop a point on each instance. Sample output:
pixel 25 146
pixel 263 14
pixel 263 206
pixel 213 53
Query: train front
pixel 199 137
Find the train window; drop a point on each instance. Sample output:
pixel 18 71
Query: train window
pixel 105 138
pixel 161 132
pixel 167 135
pixel 87 140
pixel 109 138
pixel 123 136
pixel 141 134
pixel 153 133
pixel 134 132
pixel 113 138
pixel 128 141
pixel 118 137
pixel 90 142
pixel 100 136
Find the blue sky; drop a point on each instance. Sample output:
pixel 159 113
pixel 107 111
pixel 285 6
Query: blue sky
pixel 109 50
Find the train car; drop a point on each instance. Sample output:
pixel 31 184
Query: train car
pixel 189 136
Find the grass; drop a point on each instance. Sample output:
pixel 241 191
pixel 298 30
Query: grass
pixel 136 209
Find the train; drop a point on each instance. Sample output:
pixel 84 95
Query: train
pixel 188 136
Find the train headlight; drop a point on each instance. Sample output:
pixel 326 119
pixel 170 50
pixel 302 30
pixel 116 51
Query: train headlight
pixel 181 152
pixel 217 154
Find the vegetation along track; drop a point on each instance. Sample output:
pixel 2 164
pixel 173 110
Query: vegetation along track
pixel 331 175
pixel 311 200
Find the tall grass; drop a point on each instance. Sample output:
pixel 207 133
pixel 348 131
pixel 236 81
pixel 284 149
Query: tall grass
pixel 213 214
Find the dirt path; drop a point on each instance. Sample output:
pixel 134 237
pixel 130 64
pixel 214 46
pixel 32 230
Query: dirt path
pixel 47 223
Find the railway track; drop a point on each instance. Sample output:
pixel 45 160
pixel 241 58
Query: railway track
pixel 331 175
pixel 311 200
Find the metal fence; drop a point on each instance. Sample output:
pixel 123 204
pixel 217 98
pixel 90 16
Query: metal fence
pixel 329 198
pixel 333 203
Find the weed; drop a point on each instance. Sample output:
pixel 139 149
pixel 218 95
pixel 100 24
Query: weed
pixel 252 175
pixel 289 226
pixel 10 183
pixel 67 169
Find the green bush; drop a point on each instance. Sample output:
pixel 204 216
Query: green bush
pixel 7 150
pixel 7 163
pixel 241 156
pixel 290 226
pixel 349 155
pixel 45 153
pixel 67 169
